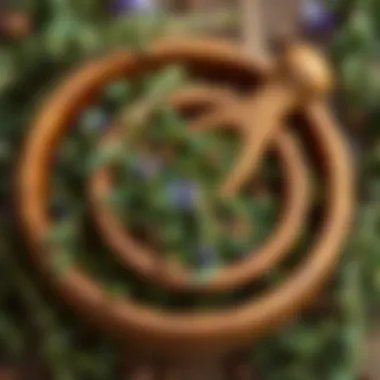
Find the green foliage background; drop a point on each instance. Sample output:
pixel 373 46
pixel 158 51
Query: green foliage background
pixel 34 328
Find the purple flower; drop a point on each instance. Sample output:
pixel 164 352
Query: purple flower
pixel 205 257
pixel 146 167
pixel 316 16
pixel 94 120
pixel 183 194
pixel 122 6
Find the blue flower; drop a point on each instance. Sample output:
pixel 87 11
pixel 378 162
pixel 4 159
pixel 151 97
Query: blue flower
pixel 317 17
pixel 183 194
pixel 205 257
pixel 94 120
pixel 121 6
pixel 146 167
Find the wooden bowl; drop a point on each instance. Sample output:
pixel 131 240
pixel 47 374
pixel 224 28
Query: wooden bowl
pixel 150 265
pixel 154 329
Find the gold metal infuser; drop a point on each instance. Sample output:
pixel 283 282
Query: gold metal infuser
pixel 298 80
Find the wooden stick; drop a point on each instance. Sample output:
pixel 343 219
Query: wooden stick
pixel 253 31
pixel 265 21
pixel 281 19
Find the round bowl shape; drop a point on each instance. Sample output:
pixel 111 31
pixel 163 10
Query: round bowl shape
pixel 157 330
pixel 151 266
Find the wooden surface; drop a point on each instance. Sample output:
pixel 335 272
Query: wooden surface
pixel 8 374
pixel 280 17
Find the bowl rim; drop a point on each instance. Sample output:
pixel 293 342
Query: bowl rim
pixel 153 328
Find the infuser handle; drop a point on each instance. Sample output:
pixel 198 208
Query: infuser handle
pixel 303 76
